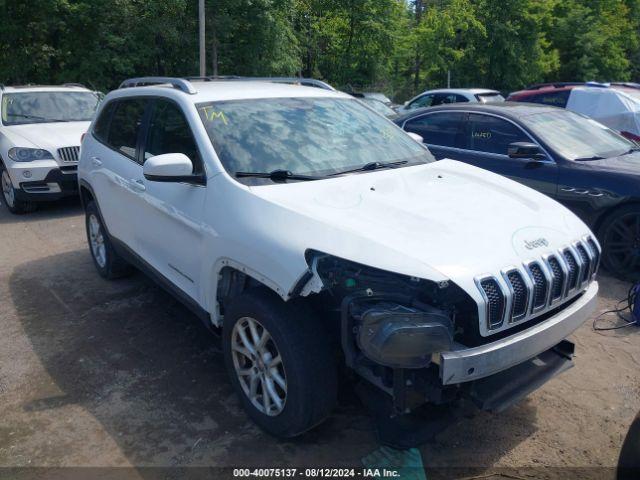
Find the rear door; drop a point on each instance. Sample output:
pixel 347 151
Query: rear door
pixel 114 172
pixel 486 143
pixel 441 131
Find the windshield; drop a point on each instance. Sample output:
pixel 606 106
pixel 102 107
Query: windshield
pixel 43 107
pixel 381 97
pixel 306 136
pixel 577 137
pixel 491 97
pixel 379 107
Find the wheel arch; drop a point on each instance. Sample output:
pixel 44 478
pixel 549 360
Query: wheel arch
pixel 231 279
pixel 86 193
pixel 602 218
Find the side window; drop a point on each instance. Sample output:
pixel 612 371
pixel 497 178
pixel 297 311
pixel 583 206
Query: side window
pixel 443 129
pixel 101 127
pixel 169 132
pixel 554 99
pixel 125 126
pixel 424 101
pixel 446 98
pixel 493 135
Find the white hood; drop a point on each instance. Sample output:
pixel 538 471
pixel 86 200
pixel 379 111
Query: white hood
pixel 444 220
pixel 48 136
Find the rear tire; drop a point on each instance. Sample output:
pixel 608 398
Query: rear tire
pixel 108 262
pixel 620 236
pixel 14 205
pixel 295 365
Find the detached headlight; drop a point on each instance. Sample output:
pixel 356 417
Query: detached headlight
pixel 18 154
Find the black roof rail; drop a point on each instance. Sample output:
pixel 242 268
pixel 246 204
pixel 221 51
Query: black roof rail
pixel 181 84
pixel 71 84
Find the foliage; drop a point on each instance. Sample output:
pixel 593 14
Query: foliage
pixel 398 46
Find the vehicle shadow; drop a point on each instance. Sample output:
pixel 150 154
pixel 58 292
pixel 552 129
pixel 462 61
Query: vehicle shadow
pixel 67 207
pixel 151 374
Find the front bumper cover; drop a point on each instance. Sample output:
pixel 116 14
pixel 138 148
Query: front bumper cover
pixel 467 364
pixel 55 185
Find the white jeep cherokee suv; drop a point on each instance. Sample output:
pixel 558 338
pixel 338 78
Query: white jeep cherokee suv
pixel 312 231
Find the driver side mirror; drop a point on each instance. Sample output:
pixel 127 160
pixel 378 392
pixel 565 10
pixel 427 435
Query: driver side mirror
pixel 526 150
pixel 171 167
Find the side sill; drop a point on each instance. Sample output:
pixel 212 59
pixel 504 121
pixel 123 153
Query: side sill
pixel 162 281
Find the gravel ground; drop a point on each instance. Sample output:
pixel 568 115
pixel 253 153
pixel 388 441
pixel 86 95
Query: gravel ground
pixel 118 374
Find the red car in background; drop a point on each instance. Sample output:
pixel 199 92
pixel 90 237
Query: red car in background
pixel 558 95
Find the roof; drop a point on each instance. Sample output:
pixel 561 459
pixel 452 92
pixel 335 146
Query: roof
pixel 507 109
pixel 462 91
pixel 44 88
pixel 220 90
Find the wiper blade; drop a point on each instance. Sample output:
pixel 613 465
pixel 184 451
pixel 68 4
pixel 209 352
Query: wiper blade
pixel 277 175
pixel 372 166
pixel 632 150
pixel 587 159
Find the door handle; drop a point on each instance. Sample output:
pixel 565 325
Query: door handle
pixel 96 161
pixel 137 185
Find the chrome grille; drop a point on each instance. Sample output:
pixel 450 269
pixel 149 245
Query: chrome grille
pixel 573 269
pixel 586 262
pixel 593 246
pixel 520 295
pixel 69 154
pixel 496 300
pixel 558 278
pixel 540 286
pixel 523 293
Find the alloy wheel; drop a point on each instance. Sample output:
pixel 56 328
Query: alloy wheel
pixel 7 189
pixel 622 243
pixel 259 366
pixel 96 238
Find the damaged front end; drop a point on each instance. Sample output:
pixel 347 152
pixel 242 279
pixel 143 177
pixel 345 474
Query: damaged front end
pixel 419 340
pixel 392 325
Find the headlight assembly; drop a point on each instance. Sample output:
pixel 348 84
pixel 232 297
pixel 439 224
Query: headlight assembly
pixel 19 154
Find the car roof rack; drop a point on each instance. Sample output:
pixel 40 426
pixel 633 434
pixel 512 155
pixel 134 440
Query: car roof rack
pixel 539 86
pixel 311 82
pixel 626 84
pixel 181 84
pixel 73 85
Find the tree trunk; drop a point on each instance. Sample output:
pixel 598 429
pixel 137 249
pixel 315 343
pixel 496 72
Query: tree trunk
pixel 419 5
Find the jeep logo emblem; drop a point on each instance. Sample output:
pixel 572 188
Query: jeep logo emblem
pixel 533 244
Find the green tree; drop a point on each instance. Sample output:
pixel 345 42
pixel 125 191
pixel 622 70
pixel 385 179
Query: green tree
pixel 596 39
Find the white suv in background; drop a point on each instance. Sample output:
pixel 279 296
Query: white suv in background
pixel 40 132
pixel 309 230
pixel 433 98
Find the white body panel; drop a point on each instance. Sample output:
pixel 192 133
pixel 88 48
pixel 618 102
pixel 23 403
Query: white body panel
pixel 440 221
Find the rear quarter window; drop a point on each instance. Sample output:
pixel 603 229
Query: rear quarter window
pixel 553 99
pixel 101 127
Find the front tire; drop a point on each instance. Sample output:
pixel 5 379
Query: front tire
pixel 108 262
pixel 14 205
pixel 620 235
pixel 280 361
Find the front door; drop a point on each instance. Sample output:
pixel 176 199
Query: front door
pixel 171 239
pixel 486 143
